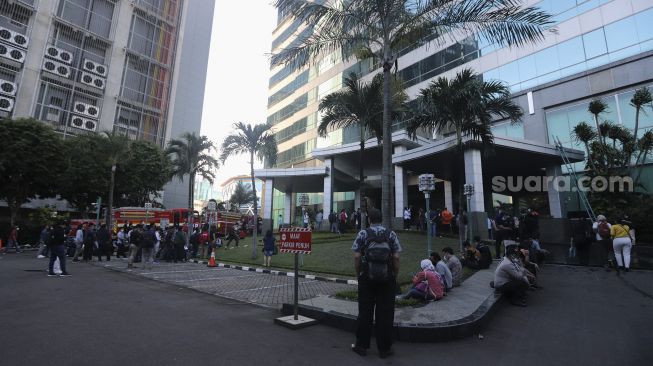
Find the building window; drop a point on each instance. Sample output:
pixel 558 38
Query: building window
pixel 93 15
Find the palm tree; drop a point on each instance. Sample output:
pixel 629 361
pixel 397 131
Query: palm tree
pixel 584 133
pixel 596 107
pixel 191 155
pixel 382 28
pixel 359 105
pixel 117 148
pixel 256 141
pixel 242 195
pixel 467 106
pixel 640 99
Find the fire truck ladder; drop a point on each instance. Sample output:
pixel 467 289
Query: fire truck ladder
pixel 570 168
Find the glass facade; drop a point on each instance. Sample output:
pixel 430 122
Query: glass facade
pixel 613 42
pixel 560 123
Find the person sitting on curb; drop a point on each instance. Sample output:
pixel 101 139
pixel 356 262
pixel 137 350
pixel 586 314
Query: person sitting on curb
pixel 427 284
pixel 471 256
pixel 443 270
pixel 486 255
pixel 510 278
pixel 454 265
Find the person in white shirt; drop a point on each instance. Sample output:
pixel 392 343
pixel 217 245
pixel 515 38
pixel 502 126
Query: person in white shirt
pixel 79 242
pixel 406 218
pixel 602 230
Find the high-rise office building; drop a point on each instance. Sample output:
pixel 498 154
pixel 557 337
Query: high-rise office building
pixel 134 66
pixel 602 48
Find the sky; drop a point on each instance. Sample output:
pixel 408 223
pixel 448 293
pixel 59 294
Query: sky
pixel 238 73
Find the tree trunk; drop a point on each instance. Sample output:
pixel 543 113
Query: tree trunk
pixel 14 207
pixel 598 129
pixel 255 228
pixel 109 218
pixel 189 223
pixel 386 172
pixel 363 207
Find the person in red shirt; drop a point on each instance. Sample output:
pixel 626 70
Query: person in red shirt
pixel 446 219
pixel 13 240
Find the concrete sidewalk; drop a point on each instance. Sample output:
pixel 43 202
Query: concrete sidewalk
pixel 463 312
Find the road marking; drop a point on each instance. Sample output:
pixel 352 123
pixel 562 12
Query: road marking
pixel 265 288
pixel 210 278
pixel 194 270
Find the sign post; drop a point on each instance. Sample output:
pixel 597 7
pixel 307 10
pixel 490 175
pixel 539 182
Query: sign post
pixel 148 206
pixel 297 241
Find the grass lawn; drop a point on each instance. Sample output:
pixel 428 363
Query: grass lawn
pixel 331 254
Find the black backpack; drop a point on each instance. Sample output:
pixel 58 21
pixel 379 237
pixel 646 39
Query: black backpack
pixel 148 240
pixel 377 257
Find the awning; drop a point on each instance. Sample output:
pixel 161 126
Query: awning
pixel 507 157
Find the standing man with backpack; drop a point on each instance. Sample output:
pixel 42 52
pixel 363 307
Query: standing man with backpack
pixel 376 259
pixel 147 245
pixel 602 229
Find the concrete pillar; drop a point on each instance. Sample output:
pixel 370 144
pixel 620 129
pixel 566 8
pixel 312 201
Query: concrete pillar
pixel 327 196
pixel 474 175
pixel 401 191
pixel 287 207
pixel 268 191
pixel 556 198
pixel 357 198
pixel 448 196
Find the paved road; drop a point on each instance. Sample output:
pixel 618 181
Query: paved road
pixel 252 287
pixel 104 317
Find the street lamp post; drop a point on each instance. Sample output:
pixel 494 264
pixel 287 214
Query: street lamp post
pixel 148 206
pixel 468 191
pixel 427 185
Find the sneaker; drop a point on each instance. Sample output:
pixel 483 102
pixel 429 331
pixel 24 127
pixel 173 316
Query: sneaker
pixel 40 256
pixel 359 350
pixel 65 274
pixel 52 274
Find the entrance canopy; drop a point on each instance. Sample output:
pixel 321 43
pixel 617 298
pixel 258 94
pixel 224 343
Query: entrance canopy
pixel 507 157
pixel 305 180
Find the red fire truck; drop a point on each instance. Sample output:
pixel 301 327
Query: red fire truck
pixel 165 217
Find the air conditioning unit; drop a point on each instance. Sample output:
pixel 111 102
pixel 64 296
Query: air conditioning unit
pixel 93 80
pixel 6 104
pixel 94 67
pixel 59 54
pixel 86 109
pixel 83 123
pixel 57 68
pixel 14 38
pixel 8 88
pixel 52 114
pixel 12 53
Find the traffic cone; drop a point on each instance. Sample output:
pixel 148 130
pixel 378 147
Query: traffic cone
pixel 212 260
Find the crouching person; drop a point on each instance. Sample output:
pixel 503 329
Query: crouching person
pixel 510 278
pixel 427 283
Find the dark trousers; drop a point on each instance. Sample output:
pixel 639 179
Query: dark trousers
pixel 122 249
pixel 58 252
pixel 376 306
pixel 88 252
pixel 180 254
pixel 498 238
pixel 514 290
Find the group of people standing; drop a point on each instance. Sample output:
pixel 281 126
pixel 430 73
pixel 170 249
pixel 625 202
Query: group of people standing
pixel 442 221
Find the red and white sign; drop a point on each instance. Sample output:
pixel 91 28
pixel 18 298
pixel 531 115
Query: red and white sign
pixel 295 240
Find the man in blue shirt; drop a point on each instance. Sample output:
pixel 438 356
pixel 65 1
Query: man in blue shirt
pixel 376 294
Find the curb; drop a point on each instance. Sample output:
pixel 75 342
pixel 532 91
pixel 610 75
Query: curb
pixel 279 273
pixel 407 332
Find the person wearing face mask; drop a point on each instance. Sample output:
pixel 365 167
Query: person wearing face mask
pixel 511 278
pixel 454 265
